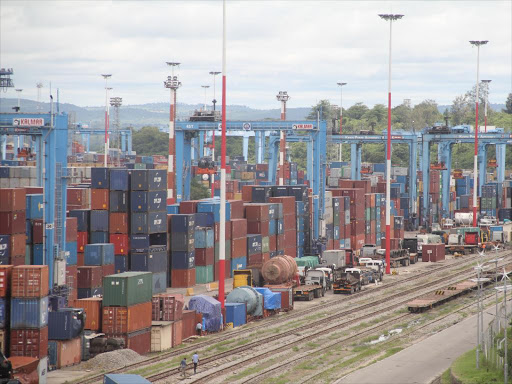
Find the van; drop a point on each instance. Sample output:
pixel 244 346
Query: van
pixel 364 260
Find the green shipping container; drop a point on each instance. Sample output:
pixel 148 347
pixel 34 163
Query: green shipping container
pixel 139 166
pixel 127 288
pixel 265 244
pixel 307 261
pixel 368 214
pixel 204 274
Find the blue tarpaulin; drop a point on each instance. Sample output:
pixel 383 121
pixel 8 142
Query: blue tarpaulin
pixel 211 310
pixel 272 299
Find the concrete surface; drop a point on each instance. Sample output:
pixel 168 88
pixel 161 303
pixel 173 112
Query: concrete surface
pixel 422 362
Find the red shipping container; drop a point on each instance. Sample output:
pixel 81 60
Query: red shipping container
pixel 272 243
pixel 139 341
pixel 177 332
pixel 121 243
pixel 205 256
pixel 256 212
pixel 280 242
pixel 188 324
pixel 71 229
pixel 92 308
pixel 259 227
pixel 29 342
pixel 238 248
pixel 247 193
pixel 366 185
pixel 18 260
pixel 71 282
pixel 292 251
pixel 288 203
pixel 118 222
pixel 33 190
pixel 82 239
pixel 217 231
pixel 5 280
pixel 188 206
pixel 77 198
pixel 167 307
pixel 117 320
pixel 12 199
pixel 290 222
pixel 17 244
pixel 237 209
pixel 290 239
pixel 286 295
pixel 183 278
pixel 433 252
pixel 89 276
pixel 238 228
pixel 29 281
pixel 12 222
pixel 100 199
pixel 108 269
pixel 80 256
pixel 37 231
pixel 257 259
pixel 69 352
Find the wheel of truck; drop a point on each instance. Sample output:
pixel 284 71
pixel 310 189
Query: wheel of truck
pixel 323 292
pixel 408 261
pixel 311 296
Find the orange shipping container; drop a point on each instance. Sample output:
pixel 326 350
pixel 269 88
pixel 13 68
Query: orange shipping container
pixel 29 281
pixel 177 331
pixel 126 319
pixel 69 352
pixel 92 308
pixel 99 198
pixel 5 280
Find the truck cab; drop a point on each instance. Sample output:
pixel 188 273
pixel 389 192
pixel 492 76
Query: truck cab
pixel 316 277
pixel 328 275
pixel 377 266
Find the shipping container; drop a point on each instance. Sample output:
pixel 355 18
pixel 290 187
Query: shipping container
pixel 29 342
pixel 118 201
pixel 167 307
pixel 139 341
pixel 161 336
pixel 84 293
pixel 89 276
pixel 12 199
pixel 126 319
pixel 127 288
pixel 66 353
pixel 29 312
pixel 160 283
pixel 119 179
pixel 236 313
pixel 99 199
pixel 29 281
pixel 100 178
pixel 12 222
pixel 124 379
pixel 5 280
pixel 99 221
pixel 99 254
pixel 65 324
pixel 183 278
pixel 92 308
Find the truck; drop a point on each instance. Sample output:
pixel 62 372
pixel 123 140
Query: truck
pixel 457 243
pixel 397 257
pixel 377 266
pixel 346 282
pixel 314 287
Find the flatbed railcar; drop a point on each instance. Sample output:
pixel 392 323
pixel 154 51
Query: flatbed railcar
pixel 440 296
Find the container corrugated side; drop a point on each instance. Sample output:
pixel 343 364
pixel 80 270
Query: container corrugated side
pixel 124 379
pixel 29 313
pixel 127 288
pixel 126 319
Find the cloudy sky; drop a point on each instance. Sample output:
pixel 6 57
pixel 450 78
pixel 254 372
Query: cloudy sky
pixel 301 46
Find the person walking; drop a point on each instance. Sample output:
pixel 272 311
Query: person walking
pixel 183 367
pixel 199 329
pixel 195 360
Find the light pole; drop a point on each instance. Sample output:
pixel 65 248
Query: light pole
pixel 390 18
pixel 205 87
pixel 283 97
pixel 214 101
pixel 504 289
pixel 477 44
pixel 116 102
pixel 173 84
pixel 222 232
pixel 479 315
pixel 107 122
pixel 18 91
pixel 341 111
pixel 486 82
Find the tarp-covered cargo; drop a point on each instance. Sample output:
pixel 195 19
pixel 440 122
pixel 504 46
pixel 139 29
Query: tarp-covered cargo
pixel 211 310
pixel 272 300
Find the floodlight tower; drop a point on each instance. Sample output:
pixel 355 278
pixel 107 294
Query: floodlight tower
pixel 116 102
pixel 341 111
pixel 205 87
pixel 486 82
pixel 173 84
pixel 477 44
pixel 39 86
pixel 107 117
pixel 18 91
pixel 214 73
pixel 390 18
pixel 283 97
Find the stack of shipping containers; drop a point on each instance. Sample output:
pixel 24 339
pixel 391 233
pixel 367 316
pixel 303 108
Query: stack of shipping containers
pixel 13 225
pixel 182 251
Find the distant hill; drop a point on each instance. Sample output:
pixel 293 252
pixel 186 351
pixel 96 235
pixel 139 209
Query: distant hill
pixel 494 107
pixel 157 114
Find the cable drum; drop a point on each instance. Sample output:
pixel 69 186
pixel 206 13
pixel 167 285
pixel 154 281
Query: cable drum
pixel 279 270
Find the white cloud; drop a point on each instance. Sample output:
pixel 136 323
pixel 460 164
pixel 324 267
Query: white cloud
pixel 303 47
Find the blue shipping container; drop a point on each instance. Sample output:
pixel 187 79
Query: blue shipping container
pixel 100 178
pixel 5 248
pixel 98 237
pixel 139 242
pixel 84 293
pixel 213 205
pixel 173 209
pixel 99 254
pixel 235 313
pixel 238 263
pixel 183 260
pixel 119 180
pixel 71 253
pixel 183 223
pixel 34 206
pixel 148 261
pixel 4 313
pixel 124 379
pixel 159 282
pixel 157 201
pixel 203 238
pixel 139 223
pixel 139 201
pixel 82 218
pixel 65 324
pixel 29 313
pixel 157 222
pixel 118 201
pixel 120 263
pixel 204 219
pixel 37 254
pixel 99 221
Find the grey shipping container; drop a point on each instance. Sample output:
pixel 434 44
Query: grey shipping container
pixel 127 288
pixel 66 323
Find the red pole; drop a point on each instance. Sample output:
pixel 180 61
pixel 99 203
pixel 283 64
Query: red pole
pixel 213 159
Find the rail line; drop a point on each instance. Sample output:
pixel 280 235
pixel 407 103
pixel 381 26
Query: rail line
pixel 291 315
pixel 238 350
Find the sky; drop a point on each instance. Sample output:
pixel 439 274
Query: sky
pixel 303 47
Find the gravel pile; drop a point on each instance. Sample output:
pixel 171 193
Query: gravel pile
pixel 110 360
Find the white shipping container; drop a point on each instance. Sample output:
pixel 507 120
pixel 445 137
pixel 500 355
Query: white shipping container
pixel 336 172
pixel 161 336
pixel 336 257
pixel 42 370
pixel 60 272
pixel 333 181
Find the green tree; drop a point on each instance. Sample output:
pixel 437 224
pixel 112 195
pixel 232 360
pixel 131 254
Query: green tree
pixel 356 111
pixel 198 190
pixel 508 104
pixel 150 141
pixel 401 118
pixel 425 114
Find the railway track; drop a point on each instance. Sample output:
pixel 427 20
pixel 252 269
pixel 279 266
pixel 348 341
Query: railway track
pixel 282 319
pixel 174 373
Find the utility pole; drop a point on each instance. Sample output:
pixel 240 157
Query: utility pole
pixel 107 118
pixel 341 112
pixel 390 18
pixel 477 44
pixel 214 101
pixel 116 102
pixel 283 97
pixel 18 91
pixel 205 87
pixel 173 84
